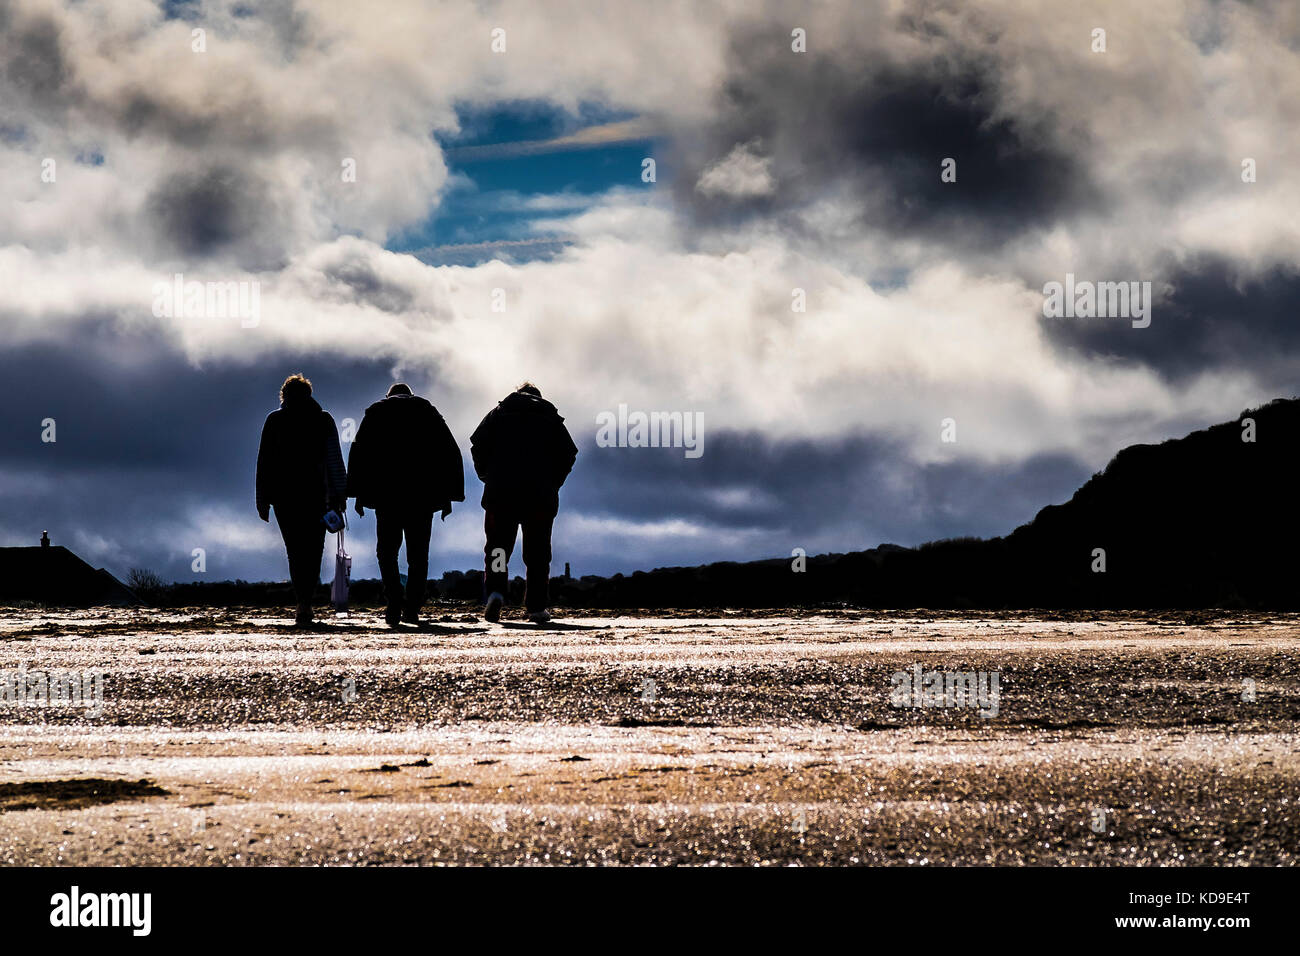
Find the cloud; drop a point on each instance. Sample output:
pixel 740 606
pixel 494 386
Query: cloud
pixel 744 173
pixel 1207 314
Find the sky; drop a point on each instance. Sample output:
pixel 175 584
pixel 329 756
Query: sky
pixel 457 195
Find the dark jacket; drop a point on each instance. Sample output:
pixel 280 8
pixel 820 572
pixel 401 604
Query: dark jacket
pixel 522 453
pixel 404 455
pixel 299 463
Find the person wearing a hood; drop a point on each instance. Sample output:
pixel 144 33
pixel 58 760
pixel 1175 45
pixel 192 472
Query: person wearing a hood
pixel 300 474
pixel 405 464
pixel 522 453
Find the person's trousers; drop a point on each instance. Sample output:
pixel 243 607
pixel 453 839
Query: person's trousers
pixel 393 523
pixel 304 541
pixel 501 526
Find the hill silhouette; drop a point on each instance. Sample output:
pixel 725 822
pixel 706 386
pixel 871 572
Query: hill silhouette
pixel 1207 520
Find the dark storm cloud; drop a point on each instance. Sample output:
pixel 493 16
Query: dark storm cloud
pixel 32 58
pixel 862 490
pixel 1207 314
pixel 365 283
pixel 216 210
pixel 154 411
pixel 834 120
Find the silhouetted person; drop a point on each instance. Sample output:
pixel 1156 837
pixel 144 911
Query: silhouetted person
pixel 523 453
pixel 300 474
pixel 406 465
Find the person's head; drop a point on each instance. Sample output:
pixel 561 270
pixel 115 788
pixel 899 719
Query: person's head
pixel 528 388
pixel 399 388
pixel 295 387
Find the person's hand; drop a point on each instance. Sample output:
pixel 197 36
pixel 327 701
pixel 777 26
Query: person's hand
pixel 357 507
pixel 264 514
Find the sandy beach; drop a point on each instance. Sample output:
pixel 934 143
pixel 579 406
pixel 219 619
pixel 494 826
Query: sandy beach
pixel 226 738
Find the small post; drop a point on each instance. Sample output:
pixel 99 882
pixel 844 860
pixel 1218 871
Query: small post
pixel 45 539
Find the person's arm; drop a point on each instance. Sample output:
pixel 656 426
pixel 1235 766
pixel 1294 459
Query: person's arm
pixel 481 447
pixel 451 466
pixel 358 465
pixel 336 475
pixel 566 453
pixel 262 481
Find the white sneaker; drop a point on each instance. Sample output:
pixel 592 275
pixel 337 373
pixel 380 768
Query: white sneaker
pixel 541 617
pixel 492 613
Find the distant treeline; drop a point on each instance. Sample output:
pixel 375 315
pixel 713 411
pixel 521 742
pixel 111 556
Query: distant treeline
pixel 1209 520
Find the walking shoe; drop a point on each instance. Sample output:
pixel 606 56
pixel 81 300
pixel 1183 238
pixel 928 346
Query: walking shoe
pixel 411 617
pixel 539 617
pixel 492 613
pixel 393 615
pixel 304 616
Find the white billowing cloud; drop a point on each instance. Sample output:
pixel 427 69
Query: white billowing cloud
pixel 619 320
pixel 744 173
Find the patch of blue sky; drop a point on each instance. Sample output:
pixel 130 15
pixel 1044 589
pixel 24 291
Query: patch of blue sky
pixel 513 121
pixel 514 164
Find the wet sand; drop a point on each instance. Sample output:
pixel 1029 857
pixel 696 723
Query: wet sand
pixel 227 738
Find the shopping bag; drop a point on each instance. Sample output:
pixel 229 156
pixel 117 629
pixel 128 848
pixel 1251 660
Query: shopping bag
pixel 342 572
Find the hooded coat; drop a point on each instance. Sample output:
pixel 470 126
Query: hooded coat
pixel 404 456
pixel 522 453
pixel 299 463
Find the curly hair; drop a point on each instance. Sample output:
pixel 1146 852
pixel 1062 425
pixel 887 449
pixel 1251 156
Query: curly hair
pixel 296 385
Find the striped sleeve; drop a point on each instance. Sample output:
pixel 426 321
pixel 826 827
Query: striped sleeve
pixel 336 476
